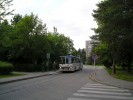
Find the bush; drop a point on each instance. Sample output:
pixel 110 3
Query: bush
pixel 107 63
pixel 5 67
pixel 27 67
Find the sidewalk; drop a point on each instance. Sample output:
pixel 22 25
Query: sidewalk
pixel 26 76
pixel 103 77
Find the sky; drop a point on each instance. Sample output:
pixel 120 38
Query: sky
pixel 73 18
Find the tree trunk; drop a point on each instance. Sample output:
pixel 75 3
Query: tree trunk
pixel 129 64
pixel 113 69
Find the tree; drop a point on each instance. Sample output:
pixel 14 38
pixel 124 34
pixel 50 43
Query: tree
pixel 114 18
pixel 60 45
pixel 5 30
pixel 82 55
pixel 16 18
pixel 4 8
pixel 26 41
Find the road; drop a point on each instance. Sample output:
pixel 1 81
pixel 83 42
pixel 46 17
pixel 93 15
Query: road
pixel 63 86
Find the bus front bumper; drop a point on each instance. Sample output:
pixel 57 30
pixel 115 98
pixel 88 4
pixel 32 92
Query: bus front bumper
pixel 66 69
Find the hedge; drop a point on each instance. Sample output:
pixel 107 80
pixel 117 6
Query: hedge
pixel 31 67
pixel 5 67
pixel 27 67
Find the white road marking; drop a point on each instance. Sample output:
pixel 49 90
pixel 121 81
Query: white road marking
pixel 100 86
pixel 100 91
pixel 80 99
pixel 103 96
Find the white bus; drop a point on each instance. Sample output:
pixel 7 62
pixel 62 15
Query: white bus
pixel 70 63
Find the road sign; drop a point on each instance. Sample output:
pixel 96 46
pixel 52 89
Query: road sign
pixel 94 56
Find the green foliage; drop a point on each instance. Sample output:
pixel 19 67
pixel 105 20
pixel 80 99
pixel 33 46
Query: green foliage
pixel 28 67
pixel 82 55
pixel 59 45
pixel 5 67
pixel 4 8
pixel 115 21
pixel 5 29
pixel 10 75
pixel 104 55
pixel 89 60
pixel 16 19
pixel 26 42
pixel 121 74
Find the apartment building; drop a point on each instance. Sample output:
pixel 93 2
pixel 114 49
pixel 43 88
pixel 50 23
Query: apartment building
pixel 88 48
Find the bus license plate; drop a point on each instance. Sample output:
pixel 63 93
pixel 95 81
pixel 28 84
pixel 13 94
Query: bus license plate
pixel 65 69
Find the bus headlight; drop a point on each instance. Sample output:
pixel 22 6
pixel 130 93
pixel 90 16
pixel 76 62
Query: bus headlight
pixel 71 67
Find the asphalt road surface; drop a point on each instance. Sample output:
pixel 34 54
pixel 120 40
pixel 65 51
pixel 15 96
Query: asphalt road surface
pixel 63 86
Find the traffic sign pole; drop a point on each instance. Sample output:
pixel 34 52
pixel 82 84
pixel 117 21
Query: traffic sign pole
pixel 94 64
pixel 94 57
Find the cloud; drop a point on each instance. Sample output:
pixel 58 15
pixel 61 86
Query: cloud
pixel 71 17
pixel 74 19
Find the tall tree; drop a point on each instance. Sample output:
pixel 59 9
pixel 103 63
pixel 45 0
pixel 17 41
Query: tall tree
pixel 5 30
pixel 27 40
pixel 4 8
pixel 60 45
pixel 114 18
pixel 16 18
pixel 82 55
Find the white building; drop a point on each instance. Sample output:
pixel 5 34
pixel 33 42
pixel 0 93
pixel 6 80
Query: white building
pixel 89 45
pixel 88 48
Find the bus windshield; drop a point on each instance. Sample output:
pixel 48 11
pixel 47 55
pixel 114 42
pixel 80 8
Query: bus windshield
pixel 69 59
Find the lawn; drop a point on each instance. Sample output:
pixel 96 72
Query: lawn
pixel 11 75
pixel 120 74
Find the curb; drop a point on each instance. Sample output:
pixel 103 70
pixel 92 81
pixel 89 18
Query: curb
pixel 26 78
pixel 93 78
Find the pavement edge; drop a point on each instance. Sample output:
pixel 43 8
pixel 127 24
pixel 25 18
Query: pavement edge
pixel 26 78
pixel 93 78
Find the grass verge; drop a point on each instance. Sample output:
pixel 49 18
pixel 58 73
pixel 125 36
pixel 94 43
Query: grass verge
pixel 120 74
pixel 10 75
